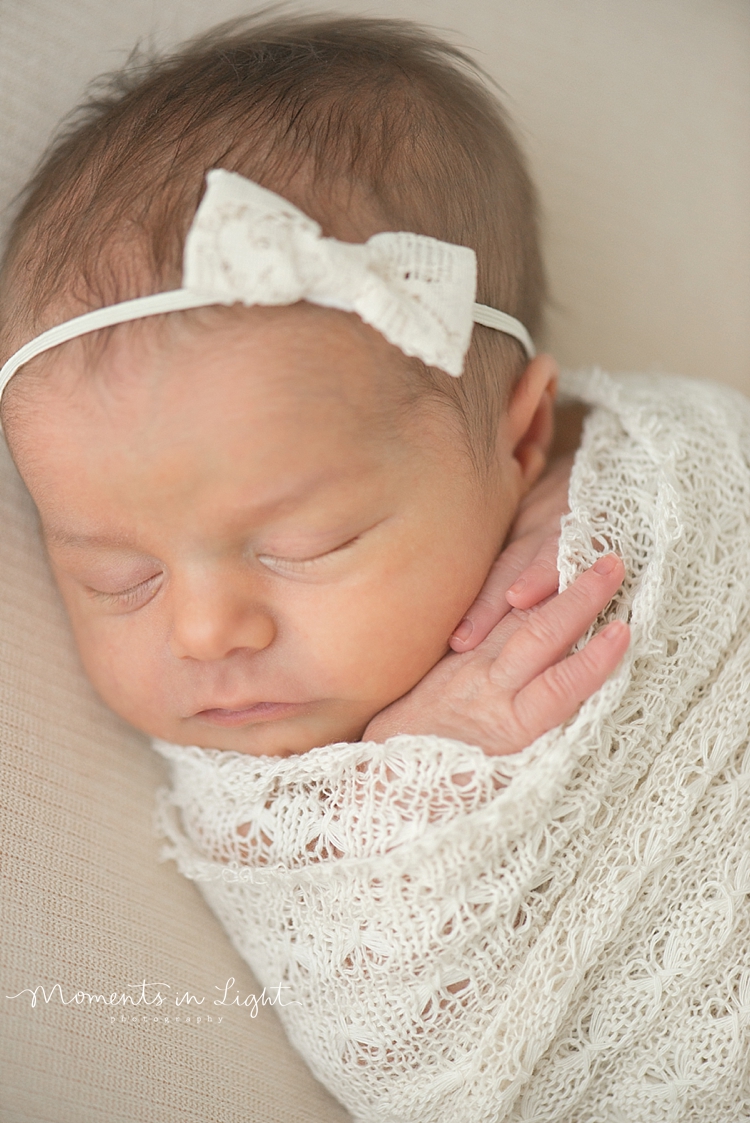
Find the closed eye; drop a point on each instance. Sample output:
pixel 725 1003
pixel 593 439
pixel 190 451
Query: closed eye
pixel 127 599
pixel 287 565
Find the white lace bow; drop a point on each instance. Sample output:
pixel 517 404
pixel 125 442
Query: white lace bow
pixel 249 244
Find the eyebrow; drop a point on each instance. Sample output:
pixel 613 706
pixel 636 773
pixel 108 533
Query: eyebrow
pixel 60 537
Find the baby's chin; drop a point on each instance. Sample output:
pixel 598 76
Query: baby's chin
pixel 281 733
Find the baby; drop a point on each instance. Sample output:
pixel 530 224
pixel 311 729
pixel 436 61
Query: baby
pixel 267 313
pixel 266 522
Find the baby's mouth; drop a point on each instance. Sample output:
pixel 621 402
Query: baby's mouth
pixel 247 715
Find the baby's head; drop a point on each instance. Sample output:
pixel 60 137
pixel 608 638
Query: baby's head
pixel 266 522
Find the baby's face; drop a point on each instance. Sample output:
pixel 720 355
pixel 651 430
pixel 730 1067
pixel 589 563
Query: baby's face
pixel 258 547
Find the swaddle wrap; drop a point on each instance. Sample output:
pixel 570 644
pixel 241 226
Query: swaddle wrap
pixel 563 934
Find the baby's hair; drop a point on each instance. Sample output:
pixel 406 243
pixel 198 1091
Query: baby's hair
pixel 365 124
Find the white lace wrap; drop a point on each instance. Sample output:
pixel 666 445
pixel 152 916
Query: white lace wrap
pixel 563 934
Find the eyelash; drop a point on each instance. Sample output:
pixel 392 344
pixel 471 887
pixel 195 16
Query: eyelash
pixel 300 565
pixel 128 597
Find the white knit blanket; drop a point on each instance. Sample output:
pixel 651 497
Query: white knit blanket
pixel 559 935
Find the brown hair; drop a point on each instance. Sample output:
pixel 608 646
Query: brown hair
pixel 345 116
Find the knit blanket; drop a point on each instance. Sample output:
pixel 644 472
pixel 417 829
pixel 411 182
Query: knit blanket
pixel 564 934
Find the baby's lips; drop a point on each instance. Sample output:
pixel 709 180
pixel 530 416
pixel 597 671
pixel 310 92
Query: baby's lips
pixel 250 714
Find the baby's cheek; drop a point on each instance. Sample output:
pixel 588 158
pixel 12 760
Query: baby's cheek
pixel 122 667
pixel 380 648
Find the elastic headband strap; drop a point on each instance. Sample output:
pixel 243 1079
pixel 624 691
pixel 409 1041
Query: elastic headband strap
pixel 500 321
pixel 179 300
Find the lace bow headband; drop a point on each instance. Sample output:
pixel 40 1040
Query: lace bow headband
pixel 249 245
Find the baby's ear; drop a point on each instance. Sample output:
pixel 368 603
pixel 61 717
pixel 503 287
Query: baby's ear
pixel 530 418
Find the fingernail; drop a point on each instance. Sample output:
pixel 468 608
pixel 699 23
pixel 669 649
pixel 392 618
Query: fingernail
pixel 518 586
pixel 464 630
pixel 611 630
pixel 605 565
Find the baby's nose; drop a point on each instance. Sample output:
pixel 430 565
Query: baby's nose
pixel 211 623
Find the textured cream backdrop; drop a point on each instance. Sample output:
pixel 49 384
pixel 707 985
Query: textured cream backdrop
pixel 635 114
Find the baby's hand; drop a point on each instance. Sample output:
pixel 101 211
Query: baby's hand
pixel 526 571
pixel 518 683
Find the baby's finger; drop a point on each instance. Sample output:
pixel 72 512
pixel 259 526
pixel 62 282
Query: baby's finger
pixel 555 695
pixel 492 604
pixel 550 631
pixel 540 579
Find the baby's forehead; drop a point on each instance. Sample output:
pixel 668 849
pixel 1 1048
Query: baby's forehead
pixel 283 367
pixel 271 400
pixel 236 419
pixel 300 351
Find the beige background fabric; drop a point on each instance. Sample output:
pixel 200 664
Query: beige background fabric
pixel 635 116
